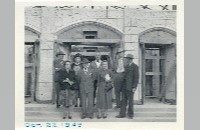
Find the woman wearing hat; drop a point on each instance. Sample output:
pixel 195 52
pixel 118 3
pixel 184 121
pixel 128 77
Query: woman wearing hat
pixel 76 66
pixel 66 79
pixel 104 93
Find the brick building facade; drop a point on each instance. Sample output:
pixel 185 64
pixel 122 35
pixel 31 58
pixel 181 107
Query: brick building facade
pixel 147 32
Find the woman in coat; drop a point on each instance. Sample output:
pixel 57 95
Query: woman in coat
pixel 66 79
pixel 104 93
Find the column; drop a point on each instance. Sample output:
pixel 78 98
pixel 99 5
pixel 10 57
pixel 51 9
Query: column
pixel 46 54
pixel 131 46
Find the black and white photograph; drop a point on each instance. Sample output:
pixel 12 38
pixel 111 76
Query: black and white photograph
pixel 100 63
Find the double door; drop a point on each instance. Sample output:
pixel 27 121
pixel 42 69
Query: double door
pixel 153 70
pixel 159 71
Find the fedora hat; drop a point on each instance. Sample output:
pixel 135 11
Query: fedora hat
pixel 130 56
pixel 60 53
pixel 85 60
pixel 77 55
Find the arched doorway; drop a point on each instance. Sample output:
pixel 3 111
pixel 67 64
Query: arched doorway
pixel 158 47
pixel 88 38
pixel 31 47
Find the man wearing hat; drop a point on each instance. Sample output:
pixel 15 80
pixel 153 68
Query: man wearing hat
pixel 118 76
pixel 85 82
pixel 96 65
pixel 58 65
pixel 76 66
pixel 131 77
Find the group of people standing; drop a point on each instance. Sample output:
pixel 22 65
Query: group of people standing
pixel 88 84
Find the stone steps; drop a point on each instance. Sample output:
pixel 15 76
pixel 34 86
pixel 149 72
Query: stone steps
pixel 54 109
pixel 143 113
pixel 137 114
pixel 102 120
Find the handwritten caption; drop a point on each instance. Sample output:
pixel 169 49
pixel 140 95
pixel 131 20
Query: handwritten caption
pixel 53 125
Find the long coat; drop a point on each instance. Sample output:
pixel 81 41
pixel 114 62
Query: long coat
pixel 94 67
pixel 104 97
pixel 131 77
pixel 86 81
pixel 62 75
pixel 57 67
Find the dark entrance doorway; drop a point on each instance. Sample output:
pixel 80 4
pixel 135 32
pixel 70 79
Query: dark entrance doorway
pixel 31 70
pixel 153 60
pixel 158 47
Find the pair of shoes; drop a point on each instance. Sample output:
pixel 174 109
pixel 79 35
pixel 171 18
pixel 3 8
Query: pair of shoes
pixel 57 106
pixel 104 117
pixel 98 117
pixel 120 116
pixel 91 117
pixel 69 117
pixel 64 117
pixel 83 116
pixel 76 106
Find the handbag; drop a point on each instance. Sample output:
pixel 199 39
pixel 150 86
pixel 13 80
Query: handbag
pixel 108 87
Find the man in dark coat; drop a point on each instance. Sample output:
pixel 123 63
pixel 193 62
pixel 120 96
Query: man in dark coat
pixel 86 82
pixel 96 65
pixel 58 65
pixel 131 77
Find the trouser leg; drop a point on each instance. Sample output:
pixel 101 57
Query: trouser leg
pixel 90 103
pixel 65 104
pixel 64 109
pixel 75 100
pixel 117 93
pixel 123 104
pixel 83 100
pixel 79 96
pixel 57 93
pixel 54 94
pixel 105 112
pixel 69 111
pixel 130 106
pixel 94 93
pixel 118 82
pixel 99 112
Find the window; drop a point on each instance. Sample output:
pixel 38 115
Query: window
pixel 90 37
pixel 90 34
